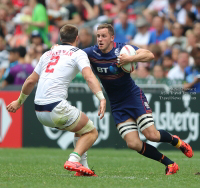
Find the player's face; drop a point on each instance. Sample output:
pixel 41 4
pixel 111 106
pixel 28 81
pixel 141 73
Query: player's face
pixel 104 40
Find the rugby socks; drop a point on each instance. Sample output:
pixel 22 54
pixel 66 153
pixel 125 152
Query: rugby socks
pixel 83 160
pixel 74 157
pixel 152 153
pixel 166 137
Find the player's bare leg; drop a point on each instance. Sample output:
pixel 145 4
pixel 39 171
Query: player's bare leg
pixel 163 136
pixel 83 160
pixel 130 135
pixel 84 143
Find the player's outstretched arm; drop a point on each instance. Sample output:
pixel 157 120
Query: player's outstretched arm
pixel 142 55
pixel 95 87
pixel 26 90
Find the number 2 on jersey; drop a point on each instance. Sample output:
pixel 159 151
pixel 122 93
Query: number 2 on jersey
pixel 56 58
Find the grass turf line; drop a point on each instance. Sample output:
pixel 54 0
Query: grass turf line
pixel 43 167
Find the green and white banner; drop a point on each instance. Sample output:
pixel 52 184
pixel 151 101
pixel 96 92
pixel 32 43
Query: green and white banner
pixel 178 113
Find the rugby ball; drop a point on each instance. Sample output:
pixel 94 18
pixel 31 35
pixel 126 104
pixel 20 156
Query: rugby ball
pixel 129 50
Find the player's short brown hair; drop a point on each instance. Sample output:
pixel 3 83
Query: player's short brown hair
pixel 68 33
pixel 108 26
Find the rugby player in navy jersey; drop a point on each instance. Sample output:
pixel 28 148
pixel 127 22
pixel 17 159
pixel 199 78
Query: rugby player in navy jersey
pixel 130 108
pixel 129 105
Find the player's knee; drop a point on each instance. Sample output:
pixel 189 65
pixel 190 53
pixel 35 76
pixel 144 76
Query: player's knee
pixel 152 136
pixel 95 132
pixel 134 145
pixel 88 127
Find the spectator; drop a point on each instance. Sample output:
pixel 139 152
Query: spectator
pixel 191 40
pixel 19 72
pixel 4 55
pixel 167 62
pixel 124 30
pixel 30 56
pixel 157 52
pixel 36 39
pixel 196 31
pixel 139 5
pixel 95 4
pixel 150 15
pixel 79 12
pixel 187 6
pixel 10 8
pixel 22 31
pixel 160 33
pixel 178 71
pixel 158 5
pixel 192 73
pixel 189 23
pixel 39 51
pixel 198 10
pixel 143 71
pixel 142 37
pixel 171 11
pixel 177 37
pixel 13 60
pixel 175 51
pixel 163 45
pixel 158 72
pixel 40 20
pixel 3 24
pixel 86 38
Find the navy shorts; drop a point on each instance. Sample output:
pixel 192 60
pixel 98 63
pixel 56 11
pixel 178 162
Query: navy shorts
pixel 131 107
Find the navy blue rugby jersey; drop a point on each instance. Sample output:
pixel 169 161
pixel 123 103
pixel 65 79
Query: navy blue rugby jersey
pixel 117 84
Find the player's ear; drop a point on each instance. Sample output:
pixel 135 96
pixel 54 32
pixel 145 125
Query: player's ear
pixel 112 38
pixel 76 41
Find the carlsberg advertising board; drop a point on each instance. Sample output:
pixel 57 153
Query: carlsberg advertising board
pixel 177 114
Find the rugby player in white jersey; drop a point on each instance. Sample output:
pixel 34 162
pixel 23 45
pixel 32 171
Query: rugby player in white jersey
pixel 54 72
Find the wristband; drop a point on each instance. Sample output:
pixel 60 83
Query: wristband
pixel 22 98
pixel 100 95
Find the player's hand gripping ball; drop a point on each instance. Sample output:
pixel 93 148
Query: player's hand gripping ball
pixel 130 67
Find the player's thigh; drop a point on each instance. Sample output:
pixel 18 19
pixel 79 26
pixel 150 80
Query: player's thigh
pixel 83 126
pixel 126 127
pixel 128 131
pixel 82 122
pixel 67 117
pixel 45 119
pixel 145 123
pixel 64 115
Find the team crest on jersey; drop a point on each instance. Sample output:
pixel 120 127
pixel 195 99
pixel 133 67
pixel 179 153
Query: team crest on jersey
pixel 117 51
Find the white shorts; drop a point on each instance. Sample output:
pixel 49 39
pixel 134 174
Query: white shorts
pixel 57 115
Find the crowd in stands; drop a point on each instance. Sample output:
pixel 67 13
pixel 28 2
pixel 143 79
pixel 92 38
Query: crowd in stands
pixel 168 28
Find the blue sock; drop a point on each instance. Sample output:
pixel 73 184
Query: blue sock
pixel 166 137
pixel 152 153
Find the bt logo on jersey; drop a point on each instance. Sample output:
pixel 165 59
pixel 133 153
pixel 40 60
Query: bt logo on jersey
pixel 113 69
pixel 102 70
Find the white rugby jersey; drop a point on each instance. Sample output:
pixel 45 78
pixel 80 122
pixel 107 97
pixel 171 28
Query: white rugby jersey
pixel 57 68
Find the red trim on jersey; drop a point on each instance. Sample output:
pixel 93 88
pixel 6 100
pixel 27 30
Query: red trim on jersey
pixel 111 77
pixel 103 60
pixel 147 111
pixel 114 45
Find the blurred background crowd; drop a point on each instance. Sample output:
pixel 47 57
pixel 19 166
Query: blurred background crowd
pixel 168 28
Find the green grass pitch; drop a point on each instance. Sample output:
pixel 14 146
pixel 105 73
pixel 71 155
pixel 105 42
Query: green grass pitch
pixel 43 167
